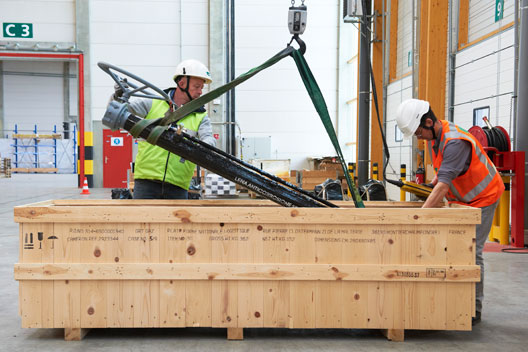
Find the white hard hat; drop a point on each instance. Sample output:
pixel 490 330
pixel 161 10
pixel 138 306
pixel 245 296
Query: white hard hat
pixel 409 114
pixel 193 68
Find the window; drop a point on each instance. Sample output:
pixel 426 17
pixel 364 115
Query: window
pixel 479 114
pixel 398 135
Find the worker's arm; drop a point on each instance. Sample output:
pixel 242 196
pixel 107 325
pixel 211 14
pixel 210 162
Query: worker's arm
pixel 437 195
pixel 205 131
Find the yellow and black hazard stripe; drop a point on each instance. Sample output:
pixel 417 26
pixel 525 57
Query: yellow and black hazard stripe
pixel 88 160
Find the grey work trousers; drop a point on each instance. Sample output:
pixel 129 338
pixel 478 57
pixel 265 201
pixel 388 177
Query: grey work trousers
pixel 483 230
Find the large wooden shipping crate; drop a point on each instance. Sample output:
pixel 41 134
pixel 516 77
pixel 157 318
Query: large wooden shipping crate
pixel 237 264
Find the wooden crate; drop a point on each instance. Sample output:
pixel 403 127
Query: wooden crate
pixel 245 263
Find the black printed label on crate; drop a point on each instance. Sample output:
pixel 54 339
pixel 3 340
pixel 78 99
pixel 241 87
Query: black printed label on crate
pixel 404 232
pixel 278 238
pixel 353 240
pixel 85 234
pixel 457 232
pixel 148 238
pixel 436 273
pixel 228 238
pixel 400 273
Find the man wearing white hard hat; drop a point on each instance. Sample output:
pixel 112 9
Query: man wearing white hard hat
pixel 158 174
pixel 463 172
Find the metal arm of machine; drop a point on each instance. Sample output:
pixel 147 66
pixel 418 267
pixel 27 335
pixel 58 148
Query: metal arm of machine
pixel 176 141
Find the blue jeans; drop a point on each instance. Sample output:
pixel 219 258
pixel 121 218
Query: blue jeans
pixel 149 189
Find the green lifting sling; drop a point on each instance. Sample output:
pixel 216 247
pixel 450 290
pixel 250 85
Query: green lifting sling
pixel 310 84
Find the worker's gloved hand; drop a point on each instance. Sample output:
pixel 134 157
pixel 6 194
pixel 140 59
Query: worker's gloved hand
pixel 118 91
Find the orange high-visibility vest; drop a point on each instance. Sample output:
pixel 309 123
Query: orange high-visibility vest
pixel 481 185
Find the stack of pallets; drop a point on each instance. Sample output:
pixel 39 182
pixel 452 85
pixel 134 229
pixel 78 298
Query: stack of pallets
pixel 5 167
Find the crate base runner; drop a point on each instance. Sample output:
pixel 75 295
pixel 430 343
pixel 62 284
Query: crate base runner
pixel 77 334
pixel 245 264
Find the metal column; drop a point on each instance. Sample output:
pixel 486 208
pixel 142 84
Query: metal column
pixel 364 96
pixel 521 142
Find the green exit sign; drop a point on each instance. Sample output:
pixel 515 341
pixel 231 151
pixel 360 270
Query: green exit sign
pixel 499 10
pixel 18 30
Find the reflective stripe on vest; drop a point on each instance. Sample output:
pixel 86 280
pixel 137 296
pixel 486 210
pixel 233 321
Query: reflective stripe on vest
pixel 451 131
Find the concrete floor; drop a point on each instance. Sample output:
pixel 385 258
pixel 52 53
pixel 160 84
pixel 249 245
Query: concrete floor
pixel 504 326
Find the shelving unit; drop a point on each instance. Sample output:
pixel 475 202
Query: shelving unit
pixel 28 149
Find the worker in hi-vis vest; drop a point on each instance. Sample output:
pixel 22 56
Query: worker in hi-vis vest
pixel 159 174
pixel 464 173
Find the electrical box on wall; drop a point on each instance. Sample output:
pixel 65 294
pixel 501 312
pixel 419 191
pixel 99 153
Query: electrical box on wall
pixel 352 11
pixel 256 148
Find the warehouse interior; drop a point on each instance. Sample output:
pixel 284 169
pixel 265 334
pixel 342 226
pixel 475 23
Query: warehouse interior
pixel 302 99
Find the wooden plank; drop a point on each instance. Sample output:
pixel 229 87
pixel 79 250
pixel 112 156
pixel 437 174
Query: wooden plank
pixel 410 255
pixel 245 215
pixel 119 293
pixel 39 170
pixel 235 333
pixel 460 249
pixel 432 301
pixel 355 293
pixel 329 295
pixel 276 293
pixel 67 292
pixel 303 293
pixel 198 293
pixel 463 23
pixel 108 203
pixel 36 299
pixel 250 293
pixel 376 141
pixel 75 334
pixel 173 248
pixel 224 249
pixel 393 40
pixel 213 272
pixel 142 246
pixel 46 246
pixel 94 292
pixel 396 335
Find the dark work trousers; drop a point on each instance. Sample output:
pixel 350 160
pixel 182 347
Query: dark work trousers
pixel 149 189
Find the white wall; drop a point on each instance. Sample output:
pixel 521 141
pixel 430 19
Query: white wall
pixel 53 21
pixel 147 38
pixel 400 152
pixel 484 76
pixel 275 103
pixel 482 17
pixel 346 126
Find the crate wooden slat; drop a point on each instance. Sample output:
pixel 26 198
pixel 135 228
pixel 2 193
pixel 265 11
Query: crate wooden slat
pixel 241 263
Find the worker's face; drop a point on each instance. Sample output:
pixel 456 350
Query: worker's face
pixel 195 86
pixel 424 133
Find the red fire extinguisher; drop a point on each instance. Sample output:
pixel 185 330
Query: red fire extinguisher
pixel 420 175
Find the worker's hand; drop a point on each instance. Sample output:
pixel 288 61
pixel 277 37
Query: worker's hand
pixel 118 91
pixel 434 181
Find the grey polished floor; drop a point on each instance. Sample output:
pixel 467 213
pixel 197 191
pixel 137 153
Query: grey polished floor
pixel 504 326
